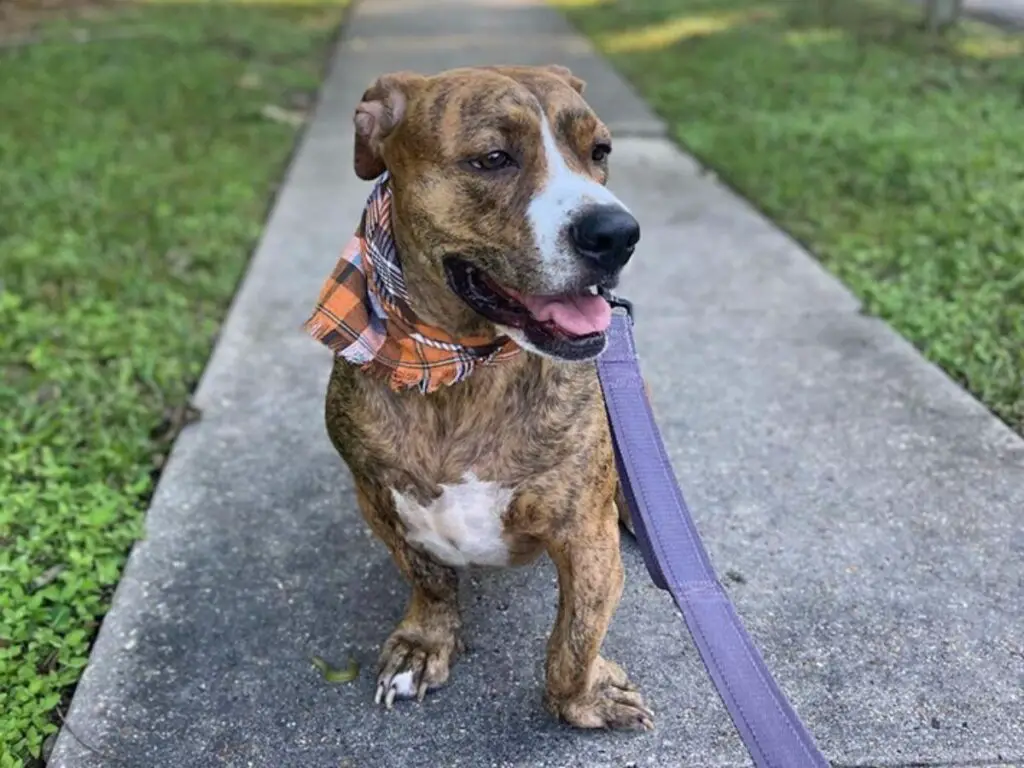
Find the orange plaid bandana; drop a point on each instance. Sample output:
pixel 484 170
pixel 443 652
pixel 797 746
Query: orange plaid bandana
pixel 363 314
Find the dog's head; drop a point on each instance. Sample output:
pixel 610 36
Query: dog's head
pixel 498 177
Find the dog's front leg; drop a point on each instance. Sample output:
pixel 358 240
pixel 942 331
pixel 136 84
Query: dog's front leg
pixel 418 654
pixel 583 688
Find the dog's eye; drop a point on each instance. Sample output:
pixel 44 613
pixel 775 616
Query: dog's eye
pixel 493 161
pixel 600 152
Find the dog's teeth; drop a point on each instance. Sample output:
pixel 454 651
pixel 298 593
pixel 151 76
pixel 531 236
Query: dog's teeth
pixel 389 700
pixel 592 290
pixel 380 693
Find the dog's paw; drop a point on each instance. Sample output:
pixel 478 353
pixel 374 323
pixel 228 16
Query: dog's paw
pixel 410 665
pixel 613 702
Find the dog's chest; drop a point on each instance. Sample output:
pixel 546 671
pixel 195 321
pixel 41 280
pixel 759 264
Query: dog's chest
pixel 462 526
pixel 465 466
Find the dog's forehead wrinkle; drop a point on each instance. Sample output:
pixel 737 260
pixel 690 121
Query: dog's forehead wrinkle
pixel 575 126
pixel 462 105
pixel 513 124
pixel 437 109
pixel 486 104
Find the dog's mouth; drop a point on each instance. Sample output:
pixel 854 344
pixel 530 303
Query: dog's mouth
pixel 569 326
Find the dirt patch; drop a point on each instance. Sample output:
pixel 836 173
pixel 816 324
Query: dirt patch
pixel 20 18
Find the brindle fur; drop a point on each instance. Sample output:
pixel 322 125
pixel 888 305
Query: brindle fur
pixel 532 424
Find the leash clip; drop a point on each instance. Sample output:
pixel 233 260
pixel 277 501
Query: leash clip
pixel 617 302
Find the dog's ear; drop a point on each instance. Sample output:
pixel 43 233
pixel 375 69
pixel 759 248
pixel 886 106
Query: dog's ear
pixel 566 74
pixel 379 112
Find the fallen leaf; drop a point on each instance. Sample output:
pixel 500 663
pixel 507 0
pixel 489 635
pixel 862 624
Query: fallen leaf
pixel 332 675
pixel 47 577
pixel 14 372
pixel 250 80
pixel 281 115
pixel 300 100
pixel 48 664
pixel 175 420
pixel 47 393
pixel 179 260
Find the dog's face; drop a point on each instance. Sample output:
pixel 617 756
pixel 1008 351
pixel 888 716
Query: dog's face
pixel 498 177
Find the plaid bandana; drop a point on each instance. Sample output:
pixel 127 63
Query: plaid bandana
pixel 363 314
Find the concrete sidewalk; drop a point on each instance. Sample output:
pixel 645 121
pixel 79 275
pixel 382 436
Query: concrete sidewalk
pixel 1008 14
pixel 866 510
pixel 1004 13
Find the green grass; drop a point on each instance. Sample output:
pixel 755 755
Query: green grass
pixel 135 172
pixel 896 156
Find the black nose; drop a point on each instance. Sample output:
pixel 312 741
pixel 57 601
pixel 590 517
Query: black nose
pixel 606 235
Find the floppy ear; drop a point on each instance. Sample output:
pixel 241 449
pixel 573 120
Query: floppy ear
pixel 378 114
pixel 566 74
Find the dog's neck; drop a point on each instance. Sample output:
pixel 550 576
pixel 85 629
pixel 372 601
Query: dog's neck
pixel 386 307
pixel 430 298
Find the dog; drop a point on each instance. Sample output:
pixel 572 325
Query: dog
pixel 466 316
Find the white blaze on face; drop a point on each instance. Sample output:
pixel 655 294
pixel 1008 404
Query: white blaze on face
pixel 562 195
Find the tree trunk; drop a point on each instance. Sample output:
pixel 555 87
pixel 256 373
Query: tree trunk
pixel 941 14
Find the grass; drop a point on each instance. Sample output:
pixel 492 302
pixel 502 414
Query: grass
pixel 896 156
pixel 136 164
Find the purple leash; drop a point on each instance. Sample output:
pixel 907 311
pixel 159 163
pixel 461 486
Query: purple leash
pixel 678 562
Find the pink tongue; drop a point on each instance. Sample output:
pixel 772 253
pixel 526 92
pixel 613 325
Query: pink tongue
pixel 578 315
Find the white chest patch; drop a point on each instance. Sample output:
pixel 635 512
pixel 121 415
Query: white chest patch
pixel 462 526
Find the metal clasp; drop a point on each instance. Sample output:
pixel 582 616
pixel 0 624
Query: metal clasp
pixel 617 302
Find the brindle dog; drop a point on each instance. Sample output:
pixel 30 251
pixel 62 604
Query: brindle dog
pixel 505 227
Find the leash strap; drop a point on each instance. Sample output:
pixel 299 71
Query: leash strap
pixel 678 562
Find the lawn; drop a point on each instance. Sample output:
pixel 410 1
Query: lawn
pixel 139 148
pixel 896 156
